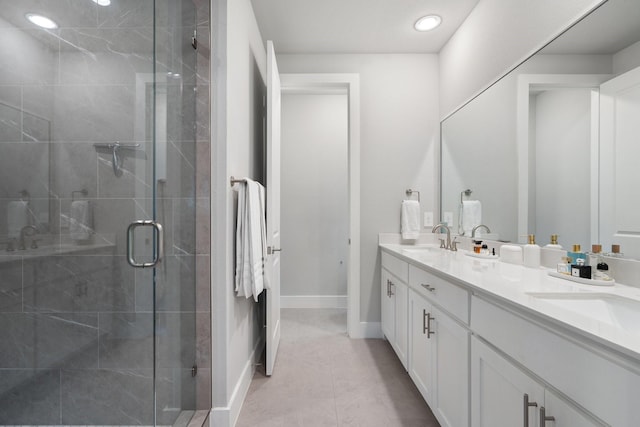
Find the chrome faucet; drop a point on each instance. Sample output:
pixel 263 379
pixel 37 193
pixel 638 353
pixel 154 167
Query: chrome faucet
pixel 449 244
pixel 24 232
pixel 473 232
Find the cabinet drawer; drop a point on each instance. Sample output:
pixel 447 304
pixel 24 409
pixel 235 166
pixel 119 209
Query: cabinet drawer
pixel 591 377
pixel 396 266
pixel 451 297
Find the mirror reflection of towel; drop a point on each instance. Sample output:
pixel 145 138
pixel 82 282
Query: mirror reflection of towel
pixel 410 219
pixel 471 215
pixel 80 226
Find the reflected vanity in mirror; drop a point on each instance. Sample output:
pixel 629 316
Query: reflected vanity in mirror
pixel 548 149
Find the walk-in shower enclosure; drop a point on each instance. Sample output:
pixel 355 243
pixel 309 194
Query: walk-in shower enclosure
pixel 98 129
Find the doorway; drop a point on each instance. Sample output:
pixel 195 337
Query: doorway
pixel 334 88
pixel 314 199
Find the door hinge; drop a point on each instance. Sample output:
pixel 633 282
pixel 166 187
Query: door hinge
pixel 194 40
pixel 194 370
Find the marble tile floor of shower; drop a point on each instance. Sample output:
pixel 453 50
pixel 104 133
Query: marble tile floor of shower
pixel 322 378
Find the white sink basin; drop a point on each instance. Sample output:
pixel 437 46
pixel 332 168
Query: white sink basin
pixel 612 309
pixel 423 249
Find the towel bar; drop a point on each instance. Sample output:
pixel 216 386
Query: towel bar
pixel 236 181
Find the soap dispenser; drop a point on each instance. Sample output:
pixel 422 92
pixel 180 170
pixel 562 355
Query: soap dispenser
pixel 554 243
pixel 531 253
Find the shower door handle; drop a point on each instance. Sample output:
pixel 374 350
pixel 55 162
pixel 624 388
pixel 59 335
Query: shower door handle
pixel 158 239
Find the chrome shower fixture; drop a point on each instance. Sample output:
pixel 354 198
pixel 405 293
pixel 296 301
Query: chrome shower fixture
pixel 117 156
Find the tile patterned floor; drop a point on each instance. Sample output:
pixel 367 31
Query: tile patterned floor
pixel 322 379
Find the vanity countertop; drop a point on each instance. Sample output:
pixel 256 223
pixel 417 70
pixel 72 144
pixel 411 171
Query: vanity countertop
pixel 607 315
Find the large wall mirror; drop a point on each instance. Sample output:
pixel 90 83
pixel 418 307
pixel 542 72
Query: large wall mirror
pixel 549 148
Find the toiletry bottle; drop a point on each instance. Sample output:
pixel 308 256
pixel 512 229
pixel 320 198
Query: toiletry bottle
pixel 477 246
pixel 602 271
pixel 531 253
pixel 615 251
pixel 554 243
pixel 595 254
pixel 576 254
pixel 564 267
pixel 579 269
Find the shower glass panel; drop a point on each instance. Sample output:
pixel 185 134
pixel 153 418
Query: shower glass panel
pixel 97 118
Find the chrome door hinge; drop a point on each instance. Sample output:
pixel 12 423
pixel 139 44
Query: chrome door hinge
pixel 194 40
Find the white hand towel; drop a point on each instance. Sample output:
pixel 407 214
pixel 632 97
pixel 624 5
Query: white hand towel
pixel 471 215
pixel 242 270
pixel 17 217
pixel 80 220
pixel 410 219
pixel 257 251
pixel 250 240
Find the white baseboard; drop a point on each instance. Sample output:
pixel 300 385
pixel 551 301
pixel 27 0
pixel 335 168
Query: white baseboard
pixel 313 301
pixel 227 416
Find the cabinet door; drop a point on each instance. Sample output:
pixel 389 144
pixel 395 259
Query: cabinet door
pixel 420 346
pixel 387 303
pixel 452 370
pixel 400 294
pixel 564 414
pixel 498 391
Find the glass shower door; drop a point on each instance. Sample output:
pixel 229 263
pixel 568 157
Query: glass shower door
pixel 95 133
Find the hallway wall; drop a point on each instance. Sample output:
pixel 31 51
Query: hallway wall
pixel 315 212
pixel 399 134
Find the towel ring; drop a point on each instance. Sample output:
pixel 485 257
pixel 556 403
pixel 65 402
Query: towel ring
pixel 410 192
pixel 466 192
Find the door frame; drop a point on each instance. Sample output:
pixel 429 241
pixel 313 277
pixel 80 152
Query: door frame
pixel 350 84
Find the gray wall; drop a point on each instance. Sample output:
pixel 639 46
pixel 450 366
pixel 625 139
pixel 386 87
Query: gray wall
pixel 495 37
pixel 239 70
pixel 314 187
pixel 398 139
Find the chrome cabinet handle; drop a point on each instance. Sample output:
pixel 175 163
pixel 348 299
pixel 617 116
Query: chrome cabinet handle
pixel 544 418
pixel 428 287
pixel 159 243
pixel 424 321
pixel 429 319
pixel 527 405
pixel 388 288
pixel 391 293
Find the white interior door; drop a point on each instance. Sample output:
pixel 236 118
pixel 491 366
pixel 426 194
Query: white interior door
pixel 619 153
pixel 273 208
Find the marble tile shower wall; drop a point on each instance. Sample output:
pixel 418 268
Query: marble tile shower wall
pixel 76 329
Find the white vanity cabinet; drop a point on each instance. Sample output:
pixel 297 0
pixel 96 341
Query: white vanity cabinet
pixel 421 342
pixel 439 345
pixel 571 369
pixel 394 299
pixel 503 395
pixel 438 360
pixel 482 357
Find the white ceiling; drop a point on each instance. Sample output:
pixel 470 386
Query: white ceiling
pixel 357 26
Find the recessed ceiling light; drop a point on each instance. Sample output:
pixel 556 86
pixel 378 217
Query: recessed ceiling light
pixel 41 21
pixel 102 2
pixel 427 23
